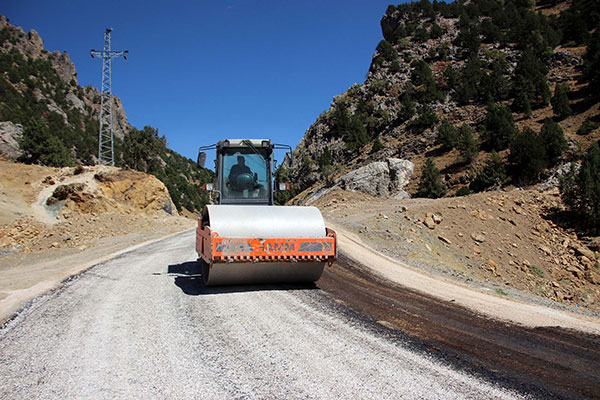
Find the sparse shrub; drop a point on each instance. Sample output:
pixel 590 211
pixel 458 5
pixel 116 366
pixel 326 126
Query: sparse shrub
pixel 537 271
pixel 463 191
pixel 431 184
pixel 587 127
pixel 426 119
pixel 395 67
pixel 377 145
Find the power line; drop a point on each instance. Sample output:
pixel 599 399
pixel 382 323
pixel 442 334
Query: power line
pixel 106 150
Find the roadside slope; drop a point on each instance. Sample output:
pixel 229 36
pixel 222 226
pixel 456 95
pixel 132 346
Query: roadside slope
pixel 530 315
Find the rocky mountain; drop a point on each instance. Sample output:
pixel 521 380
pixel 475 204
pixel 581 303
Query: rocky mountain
pixel 47 118
pixel 459 83
pixel 38 82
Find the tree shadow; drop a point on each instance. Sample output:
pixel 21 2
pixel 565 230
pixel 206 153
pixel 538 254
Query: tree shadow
pixel 436 152
pixel 568 221
pixel 188 277
pixel 455 167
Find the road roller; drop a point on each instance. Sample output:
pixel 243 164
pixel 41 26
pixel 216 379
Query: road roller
pixel 243 238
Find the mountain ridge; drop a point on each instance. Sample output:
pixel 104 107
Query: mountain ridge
pixel 456 62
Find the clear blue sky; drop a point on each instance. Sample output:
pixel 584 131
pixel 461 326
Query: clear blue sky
pixel 204 70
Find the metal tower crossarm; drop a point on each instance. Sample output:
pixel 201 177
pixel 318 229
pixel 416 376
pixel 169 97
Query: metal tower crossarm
pixel 106 150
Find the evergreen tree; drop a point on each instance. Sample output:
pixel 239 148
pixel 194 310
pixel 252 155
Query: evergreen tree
pixel 435 32
pixel 407 109
pixel 580 190
pixel 423 77
pixel 427 118
pixel 447 135
pixel 377 145
pixel 493 174
pixel 591 60
pixel 554 141
pixel 468 85
pixel 529 81
pixel 431 184
pixel 141 148
pixel 386 50
pixel 356 136
pixel 498 127
pixel 528 155
pixel 588 182
pixel 40 146
pixel 468 36
pixel 494 85
pixel 560 101
pixel 340 120
pixel 467 145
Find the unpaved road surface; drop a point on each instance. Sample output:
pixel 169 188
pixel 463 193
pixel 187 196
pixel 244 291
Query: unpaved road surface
pixel 142 326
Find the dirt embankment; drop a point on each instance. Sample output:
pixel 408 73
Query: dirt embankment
pixel 506 243
pixel 55 220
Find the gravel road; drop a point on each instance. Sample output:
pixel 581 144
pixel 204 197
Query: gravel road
pixel 143 326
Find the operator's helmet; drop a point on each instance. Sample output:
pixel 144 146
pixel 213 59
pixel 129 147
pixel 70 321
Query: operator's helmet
pixel 244 181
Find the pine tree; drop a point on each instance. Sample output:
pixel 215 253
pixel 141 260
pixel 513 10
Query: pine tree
pixel 39 145
pixel 530 81
pixel 498 127
pixel 431 184
pixel 386 50
pixel 493 173
pixel 528 155
pixel 467 144
pixel 560 101
pixel 554 140
pixel 580 190
pixel 447 135
pixel 591 60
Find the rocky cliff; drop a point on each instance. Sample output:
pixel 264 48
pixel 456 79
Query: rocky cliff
pixel 456 65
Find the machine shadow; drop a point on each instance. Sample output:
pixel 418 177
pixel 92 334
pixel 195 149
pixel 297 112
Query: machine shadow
pixel 189 279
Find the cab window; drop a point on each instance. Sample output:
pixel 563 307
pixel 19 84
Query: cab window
pixel 245 174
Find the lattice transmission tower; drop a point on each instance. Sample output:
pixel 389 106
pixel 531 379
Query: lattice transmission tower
pixel 106 150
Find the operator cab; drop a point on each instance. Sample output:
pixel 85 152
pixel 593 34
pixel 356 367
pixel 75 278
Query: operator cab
pixel 246 173
pixel 244 170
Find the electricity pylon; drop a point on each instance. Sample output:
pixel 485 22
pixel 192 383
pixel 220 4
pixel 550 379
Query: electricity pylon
pixel 106 150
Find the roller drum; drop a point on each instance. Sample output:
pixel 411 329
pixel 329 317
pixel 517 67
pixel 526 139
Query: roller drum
pixel 245 221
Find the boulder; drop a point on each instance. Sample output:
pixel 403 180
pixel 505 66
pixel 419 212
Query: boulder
pixel 10 134
pixel 380 178
pixel 372 179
